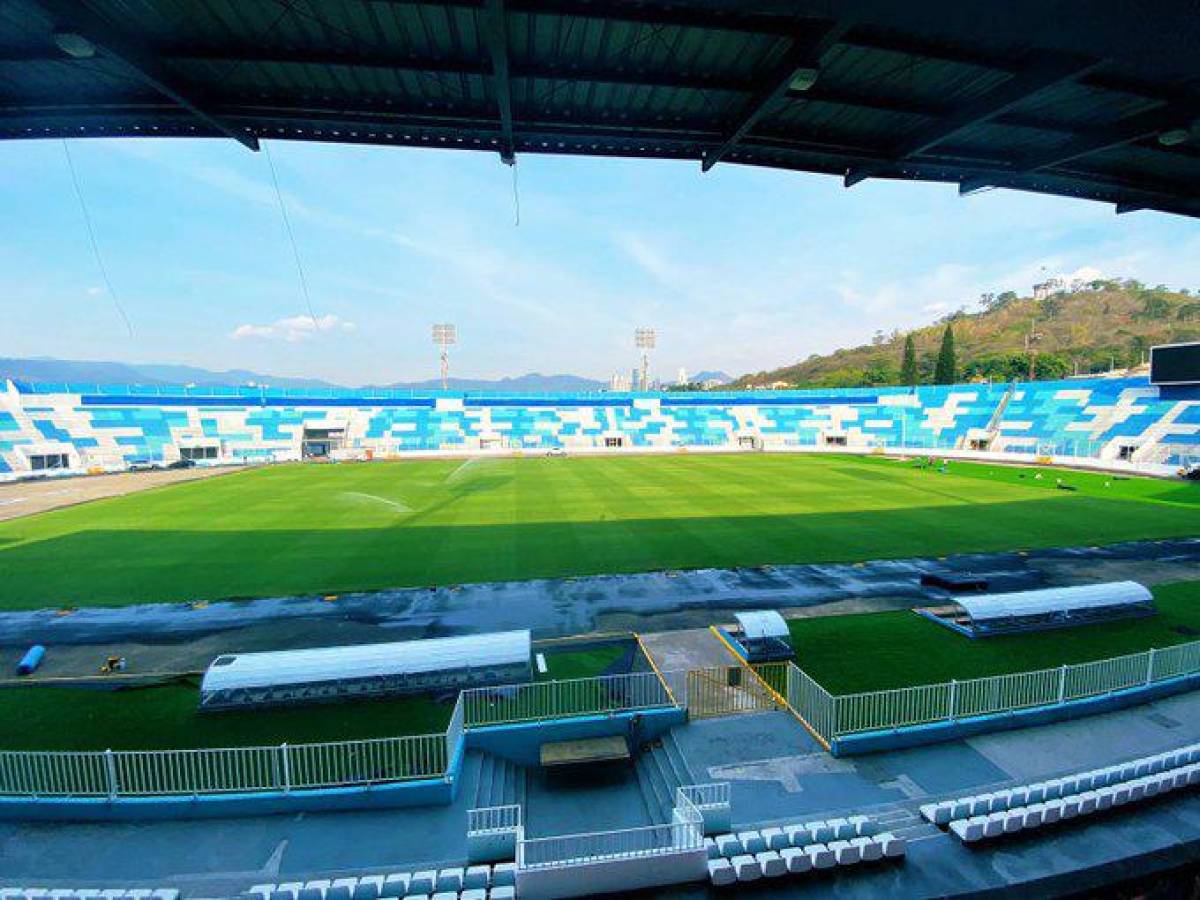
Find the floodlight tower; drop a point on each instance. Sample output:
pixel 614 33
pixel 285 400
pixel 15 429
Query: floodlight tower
pixel 645 339
pixel 445 335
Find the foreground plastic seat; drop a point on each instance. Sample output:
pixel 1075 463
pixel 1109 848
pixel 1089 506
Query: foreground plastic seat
pixel 820 856
pixel 752 841
pixel 721 872
pixel 477 877
pixel 797 835
pixel 771 863
pixel 845 853
pixel 729 845
pixel 775 838
pixel 746 867
pixel 893 847
pixel 422 882
pixel 868 849
pixel 938 813
pixel 993 824
pixel 969 830
pixel 796 859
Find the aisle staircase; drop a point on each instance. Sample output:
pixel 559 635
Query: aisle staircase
pixel 660 769
pixel 500 782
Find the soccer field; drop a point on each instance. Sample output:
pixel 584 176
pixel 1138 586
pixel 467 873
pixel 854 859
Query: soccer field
pixel 328 528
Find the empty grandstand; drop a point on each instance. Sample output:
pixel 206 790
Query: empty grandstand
pixel 1061 607
pixel 80 428
pixel 330 673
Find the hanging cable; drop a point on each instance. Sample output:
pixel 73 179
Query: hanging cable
pixel 287 227
pixel 87 221
pixel 516 196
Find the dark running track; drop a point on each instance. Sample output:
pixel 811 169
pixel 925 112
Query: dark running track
pixel 643 602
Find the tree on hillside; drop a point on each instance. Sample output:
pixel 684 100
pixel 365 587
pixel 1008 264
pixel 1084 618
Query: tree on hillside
pixel 908 363
pixel 946 371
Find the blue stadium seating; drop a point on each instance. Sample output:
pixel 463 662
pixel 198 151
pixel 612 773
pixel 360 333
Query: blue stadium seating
pixel 113 426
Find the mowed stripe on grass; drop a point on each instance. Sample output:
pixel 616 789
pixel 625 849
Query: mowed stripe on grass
pixel 307 528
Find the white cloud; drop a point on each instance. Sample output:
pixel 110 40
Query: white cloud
pixel 95 291
pixel 293 329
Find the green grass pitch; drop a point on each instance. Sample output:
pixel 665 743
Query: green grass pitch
pixel 166 717
pixel 879 651
pixel 308 528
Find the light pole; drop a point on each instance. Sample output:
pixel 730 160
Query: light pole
pixel 1031 340
pixel 645 339
pixel 445 335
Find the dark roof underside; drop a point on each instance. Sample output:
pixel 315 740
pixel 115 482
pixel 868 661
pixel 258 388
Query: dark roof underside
pixel 1097 100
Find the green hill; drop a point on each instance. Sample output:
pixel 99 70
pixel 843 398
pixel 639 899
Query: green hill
pixel 1099 326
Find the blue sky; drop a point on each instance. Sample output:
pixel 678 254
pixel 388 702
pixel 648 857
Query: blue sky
pixel 741 269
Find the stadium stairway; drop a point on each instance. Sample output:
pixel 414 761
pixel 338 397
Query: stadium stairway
pixel 660 769
pixel 500 782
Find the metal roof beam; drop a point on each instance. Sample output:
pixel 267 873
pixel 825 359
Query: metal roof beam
pixel 806 52
pixel 1135 128
pixel 994 103
pixel 675 16
pixel 77 18
pixel 495 36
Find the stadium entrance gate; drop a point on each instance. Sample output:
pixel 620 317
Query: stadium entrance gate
pixel 319 443
pixel 726 691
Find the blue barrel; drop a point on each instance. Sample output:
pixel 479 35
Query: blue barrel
pixel 31 660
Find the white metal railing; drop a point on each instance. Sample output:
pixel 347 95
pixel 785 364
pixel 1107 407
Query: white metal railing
pixel 286 767
pixel 925 704
pixel 565 850
pixel 454 731
pixel 716 793
pixel 810 701
pixel 540 700
pixel 484 819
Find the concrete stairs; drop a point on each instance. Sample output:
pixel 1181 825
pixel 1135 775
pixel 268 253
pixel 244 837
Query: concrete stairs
pixel 660 770
pixel 500 782
pixel 993 426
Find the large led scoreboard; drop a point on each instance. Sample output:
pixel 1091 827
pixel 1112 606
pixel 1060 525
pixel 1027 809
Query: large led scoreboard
pixel 1175 364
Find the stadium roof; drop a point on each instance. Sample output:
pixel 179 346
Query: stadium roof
pixel 1083 99
pixel 1055 600
pixel 290 667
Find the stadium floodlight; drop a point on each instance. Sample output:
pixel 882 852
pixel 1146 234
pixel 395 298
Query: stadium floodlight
pixel 645 339
pixel 445 336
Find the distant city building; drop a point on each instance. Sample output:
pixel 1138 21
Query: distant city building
pixel 681 378
pixel 619 382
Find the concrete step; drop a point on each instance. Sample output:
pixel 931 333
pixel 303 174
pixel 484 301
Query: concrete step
pixel 660 785
pixel 483 784
pixel 683 772
pixel 666 771
pixel 499 792
pixel 651 798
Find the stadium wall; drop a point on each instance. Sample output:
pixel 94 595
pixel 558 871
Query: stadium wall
pixel 1120 423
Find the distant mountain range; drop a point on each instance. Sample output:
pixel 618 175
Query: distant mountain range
pixel 717 376
pixel 46 369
